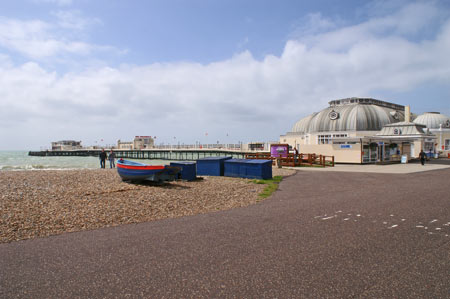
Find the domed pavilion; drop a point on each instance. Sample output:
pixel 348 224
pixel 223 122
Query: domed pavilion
pixel 361 130
pixel 439 125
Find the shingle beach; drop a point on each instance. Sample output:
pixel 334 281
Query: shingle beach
pixel 43 203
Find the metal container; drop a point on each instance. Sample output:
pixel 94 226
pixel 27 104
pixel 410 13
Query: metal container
pixel 248 168
pixel 212 166
pixel 188 170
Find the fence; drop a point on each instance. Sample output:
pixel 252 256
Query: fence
pixel 295 160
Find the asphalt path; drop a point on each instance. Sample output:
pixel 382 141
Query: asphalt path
pixel 321 235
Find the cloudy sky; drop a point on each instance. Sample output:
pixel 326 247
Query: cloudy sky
pixel 238 70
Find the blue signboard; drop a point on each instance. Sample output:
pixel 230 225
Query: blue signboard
pixel 346 146
pixel 404 159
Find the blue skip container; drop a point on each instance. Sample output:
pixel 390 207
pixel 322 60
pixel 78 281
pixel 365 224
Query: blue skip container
pixel 212 166
pixel 188 170
pixel 248 168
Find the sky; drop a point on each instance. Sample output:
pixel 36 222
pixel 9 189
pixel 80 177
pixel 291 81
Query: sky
pixel 209 71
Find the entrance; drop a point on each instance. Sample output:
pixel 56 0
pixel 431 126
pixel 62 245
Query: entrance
pixel 380 152
pixel 370 153
pixel 406 149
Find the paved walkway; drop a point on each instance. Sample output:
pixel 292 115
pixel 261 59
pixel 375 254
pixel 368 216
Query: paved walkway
pixel 411 167
pixel 322 235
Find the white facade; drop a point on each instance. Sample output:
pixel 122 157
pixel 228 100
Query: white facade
pixel 143 142
pixel 66 145
pixel 361 130
pixel 439 125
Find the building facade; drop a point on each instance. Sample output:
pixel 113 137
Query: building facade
pixel 362 130
pixel 66 145
pixel 143 142
pixel 439 125
pixel 124 145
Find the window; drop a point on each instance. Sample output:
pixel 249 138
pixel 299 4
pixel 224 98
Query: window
pixel 323 139
pixel 327 139
pixel 447 144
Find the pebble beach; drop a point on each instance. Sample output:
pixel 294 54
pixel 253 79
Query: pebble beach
pixel 48 202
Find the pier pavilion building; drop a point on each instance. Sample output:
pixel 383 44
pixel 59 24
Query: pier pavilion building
pixel 439 125
pixel 366 130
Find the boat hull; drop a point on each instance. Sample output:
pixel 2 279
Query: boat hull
pixel 134 171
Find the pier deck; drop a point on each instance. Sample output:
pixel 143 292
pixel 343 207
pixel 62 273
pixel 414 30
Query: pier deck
pixel 150 154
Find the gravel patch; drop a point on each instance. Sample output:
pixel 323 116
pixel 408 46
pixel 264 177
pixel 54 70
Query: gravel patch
pixel 43 203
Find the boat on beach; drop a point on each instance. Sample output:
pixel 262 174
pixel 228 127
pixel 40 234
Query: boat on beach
pixel 135 171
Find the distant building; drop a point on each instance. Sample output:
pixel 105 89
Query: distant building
pixel 439 125
pixel 142 142
pixel 66 145
pixel 124 145
pixel 139 142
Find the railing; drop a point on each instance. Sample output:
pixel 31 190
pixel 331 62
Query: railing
pixel 295 160
pixel 176 155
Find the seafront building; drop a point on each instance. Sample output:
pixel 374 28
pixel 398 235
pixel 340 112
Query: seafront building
pixel 366 130
pixel 139 142
pixel 439 125
pixel 66 145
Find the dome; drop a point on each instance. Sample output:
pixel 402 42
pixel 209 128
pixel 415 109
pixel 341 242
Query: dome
pixel 302 125
pixel 352 114
pixel 433 120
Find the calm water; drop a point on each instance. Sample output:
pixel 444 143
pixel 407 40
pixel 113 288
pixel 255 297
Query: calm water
pixel 19 160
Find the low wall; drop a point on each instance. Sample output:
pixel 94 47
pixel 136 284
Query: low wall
pixel 343 153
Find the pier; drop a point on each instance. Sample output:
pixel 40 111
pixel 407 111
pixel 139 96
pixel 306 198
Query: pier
pixel 150 154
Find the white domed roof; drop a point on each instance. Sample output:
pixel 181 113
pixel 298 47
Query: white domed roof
pixel 302 125
pixel 433 120
pixel 353 114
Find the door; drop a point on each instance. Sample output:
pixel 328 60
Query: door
pixel 406 149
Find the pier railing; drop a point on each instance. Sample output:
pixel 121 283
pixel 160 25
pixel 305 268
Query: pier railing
pixel 150 154
pixel 292 160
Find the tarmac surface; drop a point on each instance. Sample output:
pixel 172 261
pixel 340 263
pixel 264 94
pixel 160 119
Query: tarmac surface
pixel 323 234
pixel 412 166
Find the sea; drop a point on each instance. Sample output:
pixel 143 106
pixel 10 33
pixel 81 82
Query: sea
pixel 19 160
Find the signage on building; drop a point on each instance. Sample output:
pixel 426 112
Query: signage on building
pixel 346 146
pixel 381 143
pixel 277 150
pixel 397 132
pixel 333 115
pixel 404 159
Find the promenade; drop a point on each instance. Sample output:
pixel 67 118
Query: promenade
pixel 323 234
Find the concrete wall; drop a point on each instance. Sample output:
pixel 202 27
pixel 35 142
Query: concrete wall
pixel 341 155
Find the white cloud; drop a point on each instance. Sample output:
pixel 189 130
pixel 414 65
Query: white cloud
pixel 242 96
pixel 57 2
pixel 73 20
pixel 37 39
pixel 311 24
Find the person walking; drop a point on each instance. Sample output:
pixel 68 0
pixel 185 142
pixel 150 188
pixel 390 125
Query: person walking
pixel 102 157
pixel 112 158
pixel 422 157
pixel 295 156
